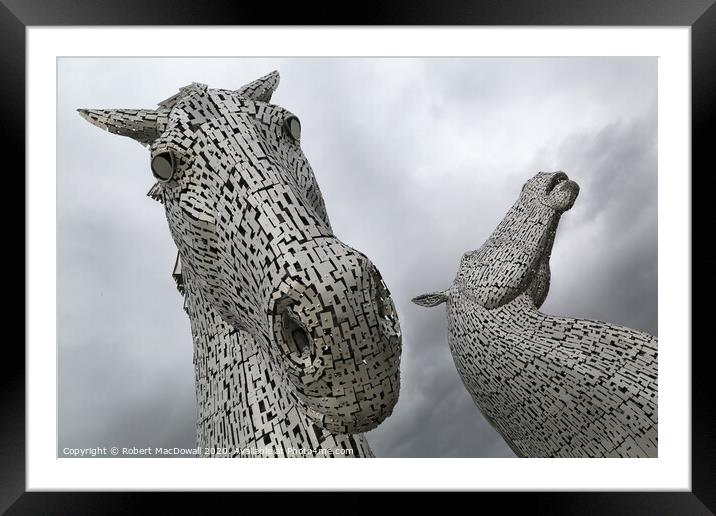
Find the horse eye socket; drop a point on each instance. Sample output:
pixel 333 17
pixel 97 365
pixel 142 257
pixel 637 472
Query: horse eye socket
pixel 163 166
pixel 293 127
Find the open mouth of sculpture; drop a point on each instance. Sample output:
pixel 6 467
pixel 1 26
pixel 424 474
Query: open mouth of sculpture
pixel 556 179
pixel 369 412
pixel 561 192
pixel 361 400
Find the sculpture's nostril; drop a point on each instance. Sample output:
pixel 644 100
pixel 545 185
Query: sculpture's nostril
pixel 163 166
pixel 294 334
pixel 556 179
pixel 300 339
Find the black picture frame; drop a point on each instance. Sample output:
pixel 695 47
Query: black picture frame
pixel 700 15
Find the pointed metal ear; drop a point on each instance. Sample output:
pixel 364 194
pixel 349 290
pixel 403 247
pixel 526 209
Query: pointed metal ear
pixel 260 89
pixel 143 125
pixel 431 299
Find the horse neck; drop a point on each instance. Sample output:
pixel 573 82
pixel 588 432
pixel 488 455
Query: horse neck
pixel 558 386
pixel 532 225
pixel 244 407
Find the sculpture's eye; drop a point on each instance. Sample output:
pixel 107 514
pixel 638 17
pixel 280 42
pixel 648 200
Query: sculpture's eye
pixel 293 127
pixel 163 166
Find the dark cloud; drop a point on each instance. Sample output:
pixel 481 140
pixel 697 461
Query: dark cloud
pixel 613 226
pixel 417 159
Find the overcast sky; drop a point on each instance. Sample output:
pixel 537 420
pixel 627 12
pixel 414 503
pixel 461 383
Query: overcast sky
pixel 418 161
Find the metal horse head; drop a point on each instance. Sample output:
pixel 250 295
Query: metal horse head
pixel 252 232
pixel 515 259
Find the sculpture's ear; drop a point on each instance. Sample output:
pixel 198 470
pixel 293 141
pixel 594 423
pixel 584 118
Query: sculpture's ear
pixel 430 300
pixel 143 125
pixel 260 89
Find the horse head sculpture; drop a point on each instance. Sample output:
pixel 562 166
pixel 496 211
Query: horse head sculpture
pixel 246 214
